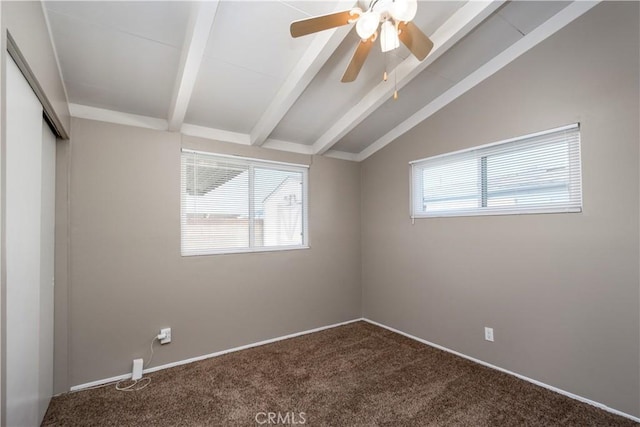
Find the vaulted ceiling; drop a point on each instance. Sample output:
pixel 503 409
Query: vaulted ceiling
pixel 229 70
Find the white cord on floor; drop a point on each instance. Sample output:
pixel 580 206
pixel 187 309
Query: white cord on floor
pixel 131 387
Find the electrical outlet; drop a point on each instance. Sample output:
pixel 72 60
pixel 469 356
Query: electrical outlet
pixel 165 333
pixel 488 334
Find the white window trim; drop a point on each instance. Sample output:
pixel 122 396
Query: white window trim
pixel 413 192
pixel 232 251
pixel 294 167
pixel 282 165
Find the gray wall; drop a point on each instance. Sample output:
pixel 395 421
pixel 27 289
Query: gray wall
pixel 561 290
pixel 127 278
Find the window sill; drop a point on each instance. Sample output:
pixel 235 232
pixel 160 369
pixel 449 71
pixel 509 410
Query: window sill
pixel 497 213
pixel 245 251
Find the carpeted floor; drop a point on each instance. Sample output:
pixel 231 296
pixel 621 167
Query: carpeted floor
pixel 353 375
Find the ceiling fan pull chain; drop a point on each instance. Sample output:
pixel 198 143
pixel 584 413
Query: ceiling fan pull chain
pixel 385 76
pixel 395 83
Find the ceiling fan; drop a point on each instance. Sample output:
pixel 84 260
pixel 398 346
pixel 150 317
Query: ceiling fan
pixel 393 17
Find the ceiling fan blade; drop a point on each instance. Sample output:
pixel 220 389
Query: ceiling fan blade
pixel 418 43
pixel 323 22
pixel 359 56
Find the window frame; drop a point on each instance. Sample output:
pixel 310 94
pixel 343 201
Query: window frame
pixel 252 163
pixel 486 150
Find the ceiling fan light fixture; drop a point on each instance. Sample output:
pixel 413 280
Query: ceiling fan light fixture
pixel 388 36
pixel 388 19
pixel 367 24
pixel 404 10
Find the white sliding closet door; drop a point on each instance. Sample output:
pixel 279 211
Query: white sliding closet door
pixel 29 254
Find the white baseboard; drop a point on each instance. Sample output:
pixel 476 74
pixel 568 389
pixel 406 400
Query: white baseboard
pixel 413 337
pixel 506 371
pixel 208 356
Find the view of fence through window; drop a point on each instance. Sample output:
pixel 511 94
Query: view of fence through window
pixel 231 205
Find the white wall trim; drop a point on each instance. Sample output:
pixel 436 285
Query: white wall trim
pixel 146 122
pixel 215 134
pixel 293 147
pixel 541 33
pixel 110 116
pixel 342 155
pixel 506 371
pixel 210 355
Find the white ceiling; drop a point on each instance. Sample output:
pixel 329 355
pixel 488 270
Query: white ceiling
pixel 251 82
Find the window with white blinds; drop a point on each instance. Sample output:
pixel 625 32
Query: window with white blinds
pixel 538 173
pixel 231 204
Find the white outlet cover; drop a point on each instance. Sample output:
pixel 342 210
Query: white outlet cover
pixel 488 334
pixel 136 374
pixel 167 332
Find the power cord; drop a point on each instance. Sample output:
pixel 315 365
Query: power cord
pixel 131 387
pixel 151 348
pixel 140 383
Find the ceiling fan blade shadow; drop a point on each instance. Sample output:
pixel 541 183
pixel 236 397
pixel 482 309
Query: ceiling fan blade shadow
pixel 323 22
pixel 359 56
pixel 418 43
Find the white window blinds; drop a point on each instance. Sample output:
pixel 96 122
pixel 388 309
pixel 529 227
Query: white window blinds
pixel 536 173
pixel 231 204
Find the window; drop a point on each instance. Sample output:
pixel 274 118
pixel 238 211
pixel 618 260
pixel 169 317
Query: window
pixel 232 204
pixel 537 173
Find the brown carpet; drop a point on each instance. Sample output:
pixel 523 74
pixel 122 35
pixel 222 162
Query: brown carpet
pixel 353 375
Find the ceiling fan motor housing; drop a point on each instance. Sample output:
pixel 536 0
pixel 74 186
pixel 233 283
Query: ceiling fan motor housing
pixel 382 11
